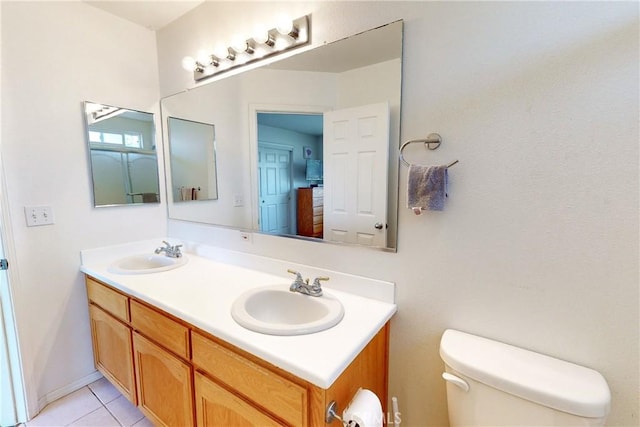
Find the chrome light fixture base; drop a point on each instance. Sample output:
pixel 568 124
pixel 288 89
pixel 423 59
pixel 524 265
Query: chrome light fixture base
pixel 275 44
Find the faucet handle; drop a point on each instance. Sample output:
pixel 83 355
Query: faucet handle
pixel 176 251
pixel 299 281
pixel 298 275
pixel 316 281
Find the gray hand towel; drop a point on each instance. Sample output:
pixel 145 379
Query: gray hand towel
pixel 426 188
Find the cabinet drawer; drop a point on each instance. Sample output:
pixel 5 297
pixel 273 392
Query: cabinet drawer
pixel 165 331
pixel 281 397
pixel 215 406
pixel 110 300
pixel 318 211
pixel 317 219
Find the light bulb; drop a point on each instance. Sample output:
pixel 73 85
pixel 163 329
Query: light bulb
pixel 261 36
pixel 285 26
pixel 189 64
pixel 239 44
pixel 221 51
pixel 203 57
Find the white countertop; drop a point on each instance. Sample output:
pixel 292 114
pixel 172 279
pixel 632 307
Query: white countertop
pixel 202 291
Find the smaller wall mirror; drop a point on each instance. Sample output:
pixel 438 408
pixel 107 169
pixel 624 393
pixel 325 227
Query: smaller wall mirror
pixel 193 160
pixel 122 151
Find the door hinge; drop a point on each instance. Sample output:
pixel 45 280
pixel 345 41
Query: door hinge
pixel 4 264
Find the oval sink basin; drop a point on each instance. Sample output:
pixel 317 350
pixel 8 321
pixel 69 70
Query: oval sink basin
pixel 144 264
pixel 275 310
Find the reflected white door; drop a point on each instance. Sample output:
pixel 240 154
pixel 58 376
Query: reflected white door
pixel 356 156
pixel 109 178
pixel 274 167
pixel 143 176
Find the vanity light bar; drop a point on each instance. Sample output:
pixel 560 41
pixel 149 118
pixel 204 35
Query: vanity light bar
pixel 273 42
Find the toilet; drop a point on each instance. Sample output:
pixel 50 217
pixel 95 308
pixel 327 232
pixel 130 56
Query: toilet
pixel 494 384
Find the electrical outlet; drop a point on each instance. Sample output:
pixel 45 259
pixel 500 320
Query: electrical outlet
pixel 38 215
pixel 245 236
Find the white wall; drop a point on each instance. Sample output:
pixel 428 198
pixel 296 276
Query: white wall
pixel 538 244
pixel 56 55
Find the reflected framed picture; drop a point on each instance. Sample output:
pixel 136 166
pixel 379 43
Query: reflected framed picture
pixel 314 170
pixel 307 152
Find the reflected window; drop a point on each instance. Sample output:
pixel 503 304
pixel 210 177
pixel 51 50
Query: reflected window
pixel 128 139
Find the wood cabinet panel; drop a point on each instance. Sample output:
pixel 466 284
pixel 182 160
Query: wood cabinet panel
pixel 162 329
pixel 215 407
pixel 282 398
pixel 110 300
pixel 112 351
pixel 369 370
pixel 164 384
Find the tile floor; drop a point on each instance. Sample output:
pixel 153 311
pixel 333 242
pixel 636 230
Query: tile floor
pixel 97 405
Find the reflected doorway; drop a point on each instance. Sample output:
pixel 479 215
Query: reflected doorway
pixel 289 158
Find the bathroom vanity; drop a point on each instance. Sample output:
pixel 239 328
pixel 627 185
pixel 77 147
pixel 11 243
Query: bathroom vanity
pixel 183 361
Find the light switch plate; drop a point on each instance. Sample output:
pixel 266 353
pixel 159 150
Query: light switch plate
pixel 38 215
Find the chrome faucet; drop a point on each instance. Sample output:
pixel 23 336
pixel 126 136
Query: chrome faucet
pixel 302 286
pixel 170 251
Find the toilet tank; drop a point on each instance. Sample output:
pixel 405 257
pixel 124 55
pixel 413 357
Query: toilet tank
pixel 494 384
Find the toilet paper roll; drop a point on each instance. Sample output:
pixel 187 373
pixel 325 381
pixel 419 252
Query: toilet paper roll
pixel 364 410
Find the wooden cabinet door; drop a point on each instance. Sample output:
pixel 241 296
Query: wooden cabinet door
pixel 112 351
pixel 215 406
pixel 164 384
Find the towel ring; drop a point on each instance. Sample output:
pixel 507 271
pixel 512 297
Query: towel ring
pixel 431 142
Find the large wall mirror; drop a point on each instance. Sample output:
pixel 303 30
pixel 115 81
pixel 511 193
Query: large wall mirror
pixel 122 152
pixel 306 146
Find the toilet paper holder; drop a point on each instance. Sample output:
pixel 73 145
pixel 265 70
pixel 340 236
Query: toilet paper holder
pixel 331 413
pixel 355 416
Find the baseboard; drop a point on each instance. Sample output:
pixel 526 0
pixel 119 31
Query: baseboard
pixel 70 388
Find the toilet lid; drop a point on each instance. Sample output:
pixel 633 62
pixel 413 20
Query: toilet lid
pixel 538 378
